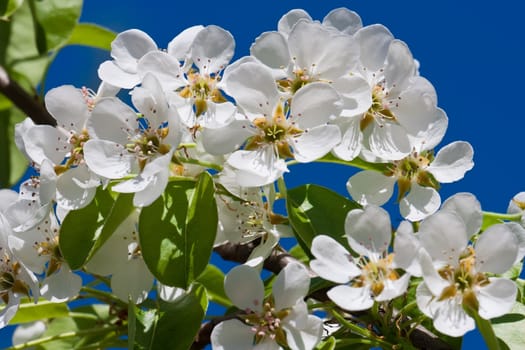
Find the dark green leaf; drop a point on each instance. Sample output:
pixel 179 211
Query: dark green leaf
pixel 174 326
pixel 13 163
pixel 57 19
pixel 88 34
pixel 121 209
pixel 80 229
pixel 177 231
pixel 315 210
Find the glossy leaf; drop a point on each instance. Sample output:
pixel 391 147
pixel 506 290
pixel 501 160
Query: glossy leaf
pixel 13 163
pixel 28 311
pixel 177 231
pixel 174 325
pixel 57 19
pixel 81 229
pixel 315 210
pixel 89 34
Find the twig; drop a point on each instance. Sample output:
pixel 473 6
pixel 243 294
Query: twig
pixel 28 104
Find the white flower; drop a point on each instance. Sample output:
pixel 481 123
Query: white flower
pixel 248 219
pixel 281 321
pixel 275 128
pixel 127 49
pixel 372 276
pixel 457 274
pixel 123 145
pixel 63 145
pixel 403 108
pixel 16 280
pixel 121 257
pixel 194 87
pixel 419 175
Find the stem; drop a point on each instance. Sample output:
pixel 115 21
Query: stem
pixel 201 163
pixel 66 335
pixel 510 217
pixel 281 185
pixel 30 105
pixel 365 333
pixel 356 163
pixel 105 296
pixel 486 330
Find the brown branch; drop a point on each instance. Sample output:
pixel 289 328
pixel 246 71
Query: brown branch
pixel 28 104
pixel 420 337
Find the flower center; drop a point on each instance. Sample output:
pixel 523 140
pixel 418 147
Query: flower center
pixel 412 169
pixel 76 150
pixel 375 273
pixel 275 131
pixel 8 278
pixel 267 324
pixel 148 144
pixel 201 89
pixel 463 278
pixel 379 111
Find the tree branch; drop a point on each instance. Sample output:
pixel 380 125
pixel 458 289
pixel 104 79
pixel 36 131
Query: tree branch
pixel 28 104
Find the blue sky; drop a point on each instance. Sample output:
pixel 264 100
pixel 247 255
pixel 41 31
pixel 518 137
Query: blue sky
pixel 472 52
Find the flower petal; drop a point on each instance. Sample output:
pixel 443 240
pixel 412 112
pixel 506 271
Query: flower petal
pixel 332 261
pixel 212 49
pixel 316 142
pixel 232 334
pixel 468 208
pixel 496 249
pixel 368 230
pixel 452 162
pixel 245 288
pixel 370 187
pixel 350 298
pixel 291 285
pixel 420 203
pixel 496 298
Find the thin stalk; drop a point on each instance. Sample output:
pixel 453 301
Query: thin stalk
pixel 509 217
pixel 105 296
pixel 486 330
pixel 362 331
pixel 66 335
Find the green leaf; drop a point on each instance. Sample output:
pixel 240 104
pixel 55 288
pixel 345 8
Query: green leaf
pixel 174 325
pixel 326 344
pixel 177 231
pixel 89 34
pixel 213 280
pixel 81 228
pixel 13 163
pixel 315 210
pixel 7 8
pixel 509 328
pixel 57 18
pixel 28 311
pixel 120 210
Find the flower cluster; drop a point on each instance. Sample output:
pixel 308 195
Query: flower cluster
pixel 330 90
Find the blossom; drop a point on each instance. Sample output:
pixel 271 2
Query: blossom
pixel 16 280
pixel 193 84
pixel 126 50
pixel 124 145
pixel 248 218
pixel 370 277
pixel 63 146
pixel 276 322
pixel 417 176
pixel 458 274
pixel 275 128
